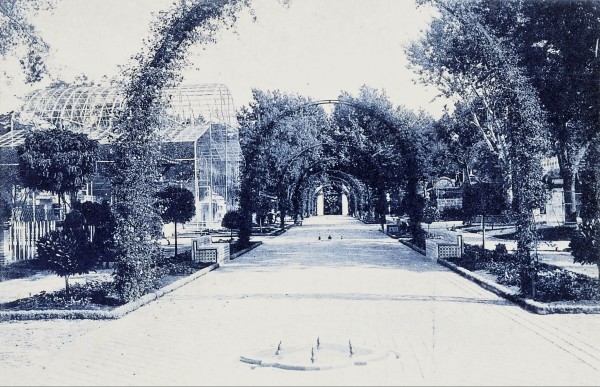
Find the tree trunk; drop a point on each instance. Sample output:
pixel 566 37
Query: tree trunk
pixel 3 258
pixel 569 195
pixel 175 223
pixel 598 264
pixel 568 163
pixel 245 214
pixel 67 290
pixel 483 230
pixel 380 205
pixel 282 218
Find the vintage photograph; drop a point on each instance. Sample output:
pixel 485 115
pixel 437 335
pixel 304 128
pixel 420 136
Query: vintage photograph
pixel 299 192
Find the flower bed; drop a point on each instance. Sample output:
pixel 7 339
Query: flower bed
pixel 98 299
pixel 552 283
pixel 101 295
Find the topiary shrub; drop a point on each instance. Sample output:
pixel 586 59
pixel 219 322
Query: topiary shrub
pixel 67 251
pixel 231 220
pixel 474 258
pixel 101 224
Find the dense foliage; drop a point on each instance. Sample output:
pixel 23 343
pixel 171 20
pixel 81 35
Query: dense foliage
pixel 586 242
pixel 231 220
pixel 557 43
pixel 553 284
pixel 100 224
pixel 465 55
pixel 137 151
pixel 67 251
pixel 57 161
pixel 280 135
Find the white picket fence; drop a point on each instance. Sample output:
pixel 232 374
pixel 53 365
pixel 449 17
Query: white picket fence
pixel 20 238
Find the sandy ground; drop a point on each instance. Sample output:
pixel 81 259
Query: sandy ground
pixel 434 327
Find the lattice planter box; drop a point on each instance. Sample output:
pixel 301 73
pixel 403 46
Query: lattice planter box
pixel 441 249
pixel 210 252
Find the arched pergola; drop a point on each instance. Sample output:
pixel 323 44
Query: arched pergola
pixel 266 128
pixel 136 163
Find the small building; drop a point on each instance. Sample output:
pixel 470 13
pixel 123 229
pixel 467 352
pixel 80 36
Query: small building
pixel 447 194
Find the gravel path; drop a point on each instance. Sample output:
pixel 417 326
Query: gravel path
pixel 435 327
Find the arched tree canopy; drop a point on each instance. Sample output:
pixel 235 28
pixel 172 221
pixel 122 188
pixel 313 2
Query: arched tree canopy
pixel 287 139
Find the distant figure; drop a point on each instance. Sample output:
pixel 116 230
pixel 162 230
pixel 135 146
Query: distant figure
pixel 341 237
pixel 319 237
pixel 329 237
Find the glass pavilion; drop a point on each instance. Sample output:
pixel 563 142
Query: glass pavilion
pixel 199 138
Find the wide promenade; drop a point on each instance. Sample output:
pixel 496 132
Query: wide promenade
pixel 434 326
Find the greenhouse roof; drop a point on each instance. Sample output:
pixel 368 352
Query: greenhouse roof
pixel 93 110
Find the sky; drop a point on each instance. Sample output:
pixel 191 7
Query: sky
pixel 316 48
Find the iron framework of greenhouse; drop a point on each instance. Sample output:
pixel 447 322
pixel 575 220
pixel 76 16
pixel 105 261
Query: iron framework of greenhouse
pixel 199 127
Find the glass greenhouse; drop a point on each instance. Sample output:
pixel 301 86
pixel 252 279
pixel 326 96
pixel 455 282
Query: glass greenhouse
pixel 199 138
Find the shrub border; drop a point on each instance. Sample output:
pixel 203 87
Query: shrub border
pixel 504 292
pixel 118 312
pixel 112 314
pixel 525 303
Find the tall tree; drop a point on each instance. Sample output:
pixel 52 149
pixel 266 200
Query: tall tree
pixel 280 134
pixel 67 251
pixel 465 55
pixel 558 46
pixel 19 37
pixel 586 243
pixel 375 143
pixel 483 199
pixel 137 152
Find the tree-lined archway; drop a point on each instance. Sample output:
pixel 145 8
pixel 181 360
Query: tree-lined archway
pixel 366 138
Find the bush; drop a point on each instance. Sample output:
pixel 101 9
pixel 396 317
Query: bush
pixel 99 218
pixel 181 264
pixel 506 272
pixel 556 284
pixel 474 258
pixel 552 283
pixel 501 253
pixel 231 220
pixel 67 251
